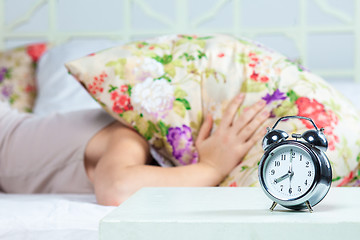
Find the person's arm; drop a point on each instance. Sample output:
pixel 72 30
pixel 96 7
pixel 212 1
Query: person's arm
pixel 121 171
pixel 119 183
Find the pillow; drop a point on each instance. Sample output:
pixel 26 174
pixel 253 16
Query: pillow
pixel 163 87
pixel 57 91
pixel 17 75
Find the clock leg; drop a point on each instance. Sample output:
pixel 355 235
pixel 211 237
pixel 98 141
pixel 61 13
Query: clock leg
pixel 309 206
pixel 273 206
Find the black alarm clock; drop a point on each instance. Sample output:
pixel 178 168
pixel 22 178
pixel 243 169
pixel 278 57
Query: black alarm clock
pixel 295 173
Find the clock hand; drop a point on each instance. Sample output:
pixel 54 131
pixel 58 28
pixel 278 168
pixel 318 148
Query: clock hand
pixel 291 159
pixel 291 173
pixel 283 177
pixel 290 177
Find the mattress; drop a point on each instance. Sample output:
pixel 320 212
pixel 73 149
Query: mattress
pixel 45 216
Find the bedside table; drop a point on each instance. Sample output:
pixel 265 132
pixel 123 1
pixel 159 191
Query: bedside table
pixel 230 214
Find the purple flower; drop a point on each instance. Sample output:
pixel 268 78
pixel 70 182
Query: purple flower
pixel 2 74
pixel 277 95
pixel 356 183
pixel 182 144
pixel 300 67
pixel 7 91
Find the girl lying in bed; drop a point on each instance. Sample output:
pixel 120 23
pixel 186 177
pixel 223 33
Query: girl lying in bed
pixel 176 97
pixel 83 151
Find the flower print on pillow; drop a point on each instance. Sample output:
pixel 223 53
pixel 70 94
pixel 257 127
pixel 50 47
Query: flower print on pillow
pixel 144 96
pixel 323 118
pixel 182 144
pixel 136 69
pixel 153 97
pixel 260 67
pixel 147 68
pixel 163 87
pixel 3 74
pixel 121 99
pixel 35 51
pixel 7 89
pixel 276 95
pixel 17 75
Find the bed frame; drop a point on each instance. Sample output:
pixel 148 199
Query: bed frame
pixel 175 16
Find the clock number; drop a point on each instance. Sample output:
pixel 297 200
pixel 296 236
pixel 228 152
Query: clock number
pixel 290 190
pixel 307 164
pixel 272 172
pixel 306 182
pixel 299 189
pixel 292 154
pixel 277 163
pixel 281 187
pixel 283 157
pixel 309 173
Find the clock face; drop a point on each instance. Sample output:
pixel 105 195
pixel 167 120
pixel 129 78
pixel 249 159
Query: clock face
pixel 289 172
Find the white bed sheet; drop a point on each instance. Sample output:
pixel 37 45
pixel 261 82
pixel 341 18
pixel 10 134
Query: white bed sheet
pixel 44 216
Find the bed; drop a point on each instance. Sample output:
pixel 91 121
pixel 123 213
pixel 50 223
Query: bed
pixel 46 216
pixel 306 32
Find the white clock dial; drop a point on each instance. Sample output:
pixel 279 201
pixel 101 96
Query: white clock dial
pixel 289 172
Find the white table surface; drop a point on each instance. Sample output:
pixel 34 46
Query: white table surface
pixel 229 213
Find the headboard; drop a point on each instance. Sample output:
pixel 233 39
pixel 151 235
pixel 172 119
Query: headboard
pixel 323 34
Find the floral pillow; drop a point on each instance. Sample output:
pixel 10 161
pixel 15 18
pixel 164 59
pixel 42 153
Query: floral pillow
pixel 17 76
pixel 163 87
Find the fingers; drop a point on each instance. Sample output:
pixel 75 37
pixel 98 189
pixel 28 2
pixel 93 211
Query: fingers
pixel 255 137
pixel 248 115
pixel 248 131
pixel 231 110
pixel 205 129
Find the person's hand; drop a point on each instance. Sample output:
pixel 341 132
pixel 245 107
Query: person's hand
pixel 226 147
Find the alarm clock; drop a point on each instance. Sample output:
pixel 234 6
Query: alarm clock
pixel 295 173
